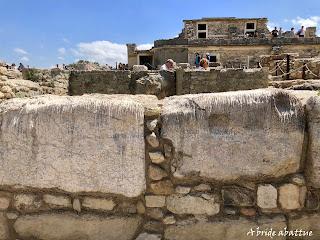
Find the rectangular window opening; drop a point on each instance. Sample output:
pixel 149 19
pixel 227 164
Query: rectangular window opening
pixel 202 27
pixel 202 35
pixel 250 26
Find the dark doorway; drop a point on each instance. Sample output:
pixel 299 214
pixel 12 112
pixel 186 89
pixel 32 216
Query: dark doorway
pixel 213 59
pixel 146 60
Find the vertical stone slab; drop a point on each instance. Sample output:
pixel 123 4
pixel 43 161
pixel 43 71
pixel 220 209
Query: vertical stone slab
pixel 233 135
pixel 313 156
pixel 92 143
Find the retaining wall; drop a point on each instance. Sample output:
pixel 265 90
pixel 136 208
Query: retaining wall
pixel 220 80
pixel 207 166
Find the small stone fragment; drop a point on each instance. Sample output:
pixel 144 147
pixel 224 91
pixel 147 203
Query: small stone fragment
pixel 98 203
pixel 57 201
pixel 267 196
pixel 76 205
pixel 4 202
pixel 156 173
pixel 249 212
pixel 26 202
pixel 152 140
pixel 298 179
pixel 155 213
pixel 208 196
pixel 153 226
pixel 182 190
pixel 312 200
pixel 155 201
pixel 230 211
pixel 238 196
pixel 12 215
pixel 6 89
pixel 128 207
pixel 162 187
pixel 141 208
pixel 167 150
pixel 156 157
pixel 202 188
pixel 151 125
pixel 169 220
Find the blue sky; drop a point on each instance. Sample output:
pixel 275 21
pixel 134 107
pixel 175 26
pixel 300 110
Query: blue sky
pixel 42 33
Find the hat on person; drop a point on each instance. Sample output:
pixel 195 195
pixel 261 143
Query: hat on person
pixel 170 61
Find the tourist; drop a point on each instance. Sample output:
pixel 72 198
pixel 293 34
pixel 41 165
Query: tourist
pixel 301 32
pixel 280 32
pixel 197 60
pixel 168 66
pixel 208 56
pixel 292 33
pixel 275 32
pixel 21 67
pixel 204 64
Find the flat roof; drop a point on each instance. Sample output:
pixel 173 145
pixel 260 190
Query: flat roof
pixel 224 19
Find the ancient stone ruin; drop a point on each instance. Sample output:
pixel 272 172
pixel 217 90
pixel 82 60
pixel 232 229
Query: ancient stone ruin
pixel 90 153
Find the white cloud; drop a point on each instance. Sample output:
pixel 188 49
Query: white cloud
pixel 307 22
pixel 20 51
pixel 104 52
pixel 61 58
pixel 271 25
pixel 24 59
pixel 146 46
pixel 62 51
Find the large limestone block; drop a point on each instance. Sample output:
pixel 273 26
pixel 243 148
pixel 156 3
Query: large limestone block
pixel 92 143
pixel 313 162
pixel 241 229
pixel 72 226
pixel 232 135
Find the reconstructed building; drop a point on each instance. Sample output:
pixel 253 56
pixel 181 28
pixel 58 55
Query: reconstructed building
pixel 234 42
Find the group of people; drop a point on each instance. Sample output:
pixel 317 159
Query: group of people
pixel 292 33
pixel 14 66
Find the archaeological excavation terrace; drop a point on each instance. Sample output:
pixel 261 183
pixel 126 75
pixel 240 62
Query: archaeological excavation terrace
pixel 90 153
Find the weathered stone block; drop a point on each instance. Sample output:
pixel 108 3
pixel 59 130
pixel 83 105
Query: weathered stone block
pixel 233 135
pixel 155 201
pixel 192 205
pixel 57 201
pixel 313 162
pixel 292 196
pixel 26 202
pixel 267 196
pixel 71 226
pixel 98 203
pixel 76 144
pixel 225 230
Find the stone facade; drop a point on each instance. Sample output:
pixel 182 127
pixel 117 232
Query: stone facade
pixel 190 81
pixel 154 193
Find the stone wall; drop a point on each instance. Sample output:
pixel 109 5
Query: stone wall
pixel 51 81
pixel 122 167
pixel 220 80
